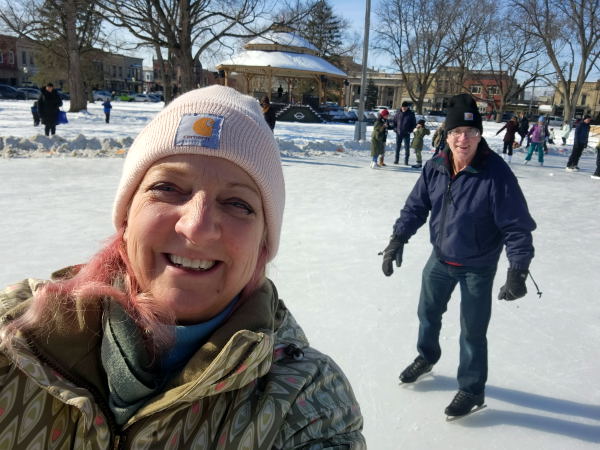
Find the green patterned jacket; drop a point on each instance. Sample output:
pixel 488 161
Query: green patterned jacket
pixel 256 384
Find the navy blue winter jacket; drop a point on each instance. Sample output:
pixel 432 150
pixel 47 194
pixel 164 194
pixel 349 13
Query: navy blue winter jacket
pixel 405 122
pixel 582 132
pixel 473 214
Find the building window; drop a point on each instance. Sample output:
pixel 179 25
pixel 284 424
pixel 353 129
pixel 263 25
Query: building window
pixel 475 89
pixel 493 90
pixel 583 99
pixel 1 58
pixel 114 71
pixel 11 57
pixel 31 59
pixel 24 57
pixel 120 72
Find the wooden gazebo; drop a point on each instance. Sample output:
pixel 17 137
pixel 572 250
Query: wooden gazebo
pixel 280 55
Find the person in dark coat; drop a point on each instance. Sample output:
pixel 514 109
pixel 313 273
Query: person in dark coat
pixel 404 124
pixel 48 107
pixel 268 112
pixel 475 208
pixel 582 132
pixel 523 128
pixel 35 114
pixel 511 128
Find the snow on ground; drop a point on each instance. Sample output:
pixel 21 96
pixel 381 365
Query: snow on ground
pixel 543 387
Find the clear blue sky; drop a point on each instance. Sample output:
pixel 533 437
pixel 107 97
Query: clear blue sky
pixel 354 12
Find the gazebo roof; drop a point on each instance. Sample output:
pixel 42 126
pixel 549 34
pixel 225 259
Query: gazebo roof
pixel 280 54
pixel 281 41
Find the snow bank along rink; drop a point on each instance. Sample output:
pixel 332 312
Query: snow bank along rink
pixel 87 134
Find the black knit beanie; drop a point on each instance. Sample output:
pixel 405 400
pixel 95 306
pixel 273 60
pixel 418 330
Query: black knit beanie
pixel 463 112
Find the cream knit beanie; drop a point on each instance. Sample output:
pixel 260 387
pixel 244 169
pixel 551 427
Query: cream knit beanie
pixel 214 121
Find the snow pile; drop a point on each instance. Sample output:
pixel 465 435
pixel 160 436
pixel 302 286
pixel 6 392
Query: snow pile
pixel 80 146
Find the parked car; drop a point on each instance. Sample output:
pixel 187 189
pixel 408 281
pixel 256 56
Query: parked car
pixel 155 97
pixel 436 112
pixel 9 92
pixel 30 93
pixel 555 121
pixel 62 95
pixel 125 96
pixel 143 98
pixel 101 95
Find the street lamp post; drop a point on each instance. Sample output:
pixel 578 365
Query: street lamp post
pixel 360 128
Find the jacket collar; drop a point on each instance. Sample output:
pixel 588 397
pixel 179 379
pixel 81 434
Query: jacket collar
pixel 239 352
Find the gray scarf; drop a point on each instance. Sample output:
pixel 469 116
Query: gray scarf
pixel 132 376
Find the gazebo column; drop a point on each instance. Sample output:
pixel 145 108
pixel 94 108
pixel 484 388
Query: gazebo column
pixel 269 81
pixel 290 85
pixel 248 77
pixel 226 74
pixel 320 88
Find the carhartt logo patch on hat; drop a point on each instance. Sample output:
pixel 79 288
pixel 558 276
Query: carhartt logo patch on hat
pixel 202 130
pixel 468 116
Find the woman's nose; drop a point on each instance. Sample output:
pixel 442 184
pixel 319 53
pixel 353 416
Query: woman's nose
pixel 199 220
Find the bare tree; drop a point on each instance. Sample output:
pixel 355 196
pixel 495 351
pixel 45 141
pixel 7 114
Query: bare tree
pixel 464 36
pixel 509 52
pixel 185 29
pixel 417 34
pixel 65 28
pixel 570 33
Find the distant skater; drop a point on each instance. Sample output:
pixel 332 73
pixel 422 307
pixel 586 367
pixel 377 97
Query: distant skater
pixel 107 107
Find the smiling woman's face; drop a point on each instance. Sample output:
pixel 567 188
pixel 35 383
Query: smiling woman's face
pixel 194 232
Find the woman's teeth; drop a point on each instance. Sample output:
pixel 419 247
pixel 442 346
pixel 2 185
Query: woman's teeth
pixel 195 264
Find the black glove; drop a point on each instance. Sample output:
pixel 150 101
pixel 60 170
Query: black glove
pixel 514 287
pixel 393 252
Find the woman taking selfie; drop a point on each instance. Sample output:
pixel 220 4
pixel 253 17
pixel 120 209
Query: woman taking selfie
pixel 171 336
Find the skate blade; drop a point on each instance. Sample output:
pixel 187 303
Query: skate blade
pixel 473 411
pixel 412 383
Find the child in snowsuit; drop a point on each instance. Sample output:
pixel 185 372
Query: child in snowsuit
pixel 35 114
pixel 378 138
pixel 417 143
pixel 438 141
pixel 538 137
pixel 107 108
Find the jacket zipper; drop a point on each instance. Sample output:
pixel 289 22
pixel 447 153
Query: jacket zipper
pixel 117 439
pixel 446 201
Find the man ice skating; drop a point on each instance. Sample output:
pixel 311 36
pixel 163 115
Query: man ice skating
pixel 476 207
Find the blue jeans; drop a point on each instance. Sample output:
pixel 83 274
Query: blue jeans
pixel 399 141
pixel 439 280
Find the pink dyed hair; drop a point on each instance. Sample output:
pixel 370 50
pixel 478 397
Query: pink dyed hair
pixel 70 297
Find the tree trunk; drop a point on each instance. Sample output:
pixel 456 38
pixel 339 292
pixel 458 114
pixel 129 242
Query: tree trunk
pixel 184 60
pixel 76 89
